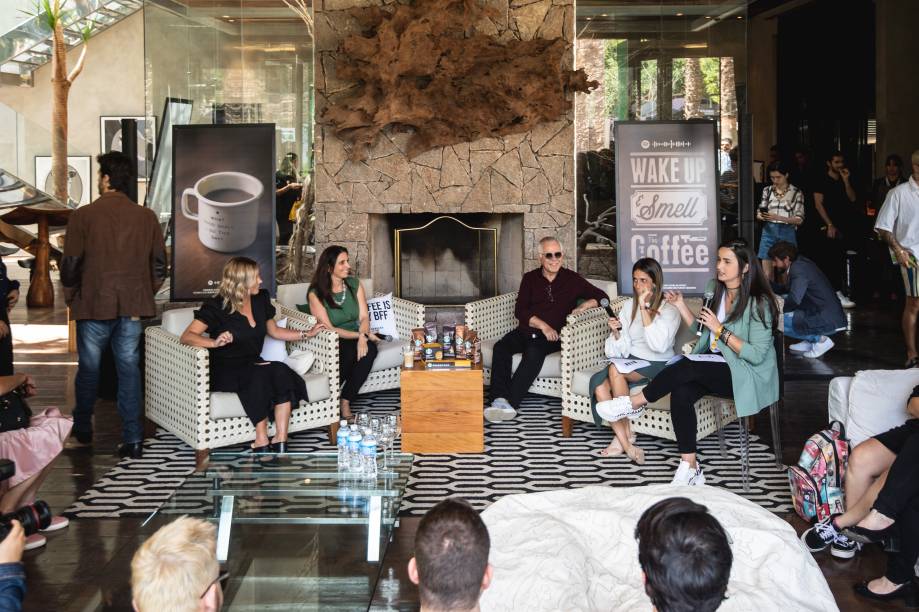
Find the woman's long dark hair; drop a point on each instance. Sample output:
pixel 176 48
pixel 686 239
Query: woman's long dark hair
pixel 753 285
pixel 322 276
pixel 649 266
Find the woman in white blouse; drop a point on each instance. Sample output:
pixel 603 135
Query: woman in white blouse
pixel 645 329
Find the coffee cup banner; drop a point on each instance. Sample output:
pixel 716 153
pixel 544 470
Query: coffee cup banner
pixel 223 204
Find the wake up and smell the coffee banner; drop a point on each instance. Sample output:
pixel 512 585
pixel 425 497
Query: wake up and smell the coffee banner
pixel 223 199
pixel 667 200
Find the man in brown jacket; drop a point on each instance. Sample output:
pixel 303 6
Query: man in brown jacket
pixel 114 262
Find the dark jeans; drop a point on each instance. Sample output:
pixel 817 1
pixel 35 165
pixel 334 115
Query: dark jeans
pixel 6 345
pixel 899 498
pixel 687 382
pixel 534 352
pixel 12 586
pixel 92 338
pixel 352 370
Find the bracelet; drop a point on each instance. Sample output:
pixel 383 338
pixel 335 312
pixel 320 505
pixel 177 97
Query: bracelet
pixel 726 336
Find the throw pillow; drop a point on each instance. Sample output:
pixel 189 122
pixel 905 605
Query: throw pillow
pixel 382 316
pixel 272 349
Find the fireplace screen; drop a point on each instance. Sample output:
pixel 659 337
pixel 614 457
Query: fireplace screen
pixel 446 262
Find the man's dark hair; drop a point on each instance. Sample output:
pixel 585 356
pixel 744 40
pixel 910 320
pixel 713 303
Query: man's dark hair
pixel 896 159
pixel 831 154
pixel 685 555
pixel 451 552
pixel 783 249
pixel 119 168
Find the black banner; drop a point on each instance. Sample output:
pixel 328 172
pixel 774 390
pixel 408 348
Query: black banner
pixel 667 200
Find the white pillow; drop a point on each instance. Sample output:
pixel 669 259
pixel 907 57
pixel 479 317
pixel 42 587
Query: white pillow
pixel 300 361
pixel 877 401
pixel 273 349
pixel 382 315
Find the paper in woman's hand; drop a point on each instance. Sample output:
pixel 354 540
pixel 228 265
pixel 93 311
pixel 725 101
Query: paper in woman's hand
pixel 625 365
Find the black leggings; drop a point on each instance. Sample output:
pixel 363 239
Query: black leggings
pixel 688 381
pixel 352 370
pixel 899 498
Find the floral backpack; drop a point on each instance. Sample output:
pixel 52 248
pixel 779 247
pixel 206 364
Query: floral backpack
pixel 817 481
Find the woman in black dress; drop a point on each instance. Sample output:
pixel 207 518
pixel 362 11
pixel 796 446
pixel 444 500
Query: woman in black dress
pixel 236 321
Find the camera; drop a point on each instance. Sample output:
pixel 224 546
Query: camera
pixel 33 517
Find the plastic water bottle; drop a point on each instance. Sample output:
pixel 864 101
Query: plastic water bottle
pixel 369 456
pixel 354 452
pixel 341 441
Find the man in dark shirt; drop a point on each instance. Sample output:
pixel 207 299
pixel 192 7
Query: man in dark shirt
pixel 834 200
pixel 546 297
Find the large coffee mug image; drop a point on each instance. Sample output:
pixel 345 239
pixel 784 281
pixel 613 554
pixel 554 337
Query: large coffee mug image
pixel 227 214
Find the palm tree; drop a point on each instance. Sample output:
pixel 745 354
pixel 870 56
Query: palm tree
pixel 692 106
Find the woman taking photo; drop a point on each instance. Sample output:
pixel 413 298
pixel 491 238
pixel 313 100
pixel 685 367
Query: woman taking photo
pixel 740 327
pixel 337 300
pixel 645 329
pixel 781 211
pixel 236 321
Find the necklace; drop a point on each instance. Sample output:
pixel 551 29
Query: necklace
pixel 340 301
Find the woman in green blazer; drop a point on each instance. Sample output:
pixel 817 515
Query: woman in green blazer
pixel 740 327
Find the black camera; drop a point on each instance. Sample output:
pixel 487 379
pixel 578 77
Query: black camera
pixel 32 517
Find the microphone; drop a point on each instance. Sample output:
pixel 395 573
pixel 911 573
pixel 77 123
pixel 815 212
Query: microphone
pixel 604 303
pixel 707 299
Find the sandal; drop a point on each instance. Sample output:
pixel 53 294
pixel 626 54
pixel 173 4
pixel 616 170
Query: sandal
pixel 636 454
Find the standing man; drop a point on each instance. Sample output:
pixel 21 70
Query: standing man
pixel 898 225
pixel 812 312
pixel 114 262
pixel 546 297
pixel 834 200
pixel 724 156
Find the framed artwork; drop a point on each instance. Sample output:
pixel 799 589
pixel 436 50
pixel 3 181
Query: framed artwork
pixel 110 140
pixel 79 177
pixel 176 111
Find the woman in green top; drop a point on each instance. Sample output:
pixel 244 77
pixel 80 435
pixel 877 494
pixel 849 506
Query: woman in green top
pixel 337 300
pixel 740 327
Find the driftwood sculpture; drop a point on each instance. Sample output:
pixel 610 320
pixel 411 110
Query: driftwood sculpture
pixel 423 66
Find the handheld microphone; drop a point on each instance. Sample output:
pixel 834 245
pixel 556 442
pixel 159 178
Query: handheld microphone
pixel 604 303
pixel 384 337
pixel 707 299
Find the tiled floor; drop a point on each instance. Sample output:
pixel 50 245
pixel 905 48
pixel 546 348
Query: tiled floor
pixel 86 566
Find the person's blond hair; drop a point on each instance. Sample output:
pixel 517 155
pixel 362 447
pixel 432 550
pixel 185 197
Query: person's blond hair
pixel 238 275
pixel 175 567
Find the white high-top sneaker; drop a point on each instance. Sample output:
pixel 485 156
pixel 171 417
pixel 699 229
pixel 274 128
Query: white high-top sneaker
pixel 687 475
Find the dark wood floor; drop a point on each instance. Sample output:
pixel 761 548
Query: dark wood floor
pixel 86 566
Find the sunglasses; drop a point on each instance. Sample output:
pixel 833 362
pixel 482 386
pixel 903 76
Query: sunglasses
pixel 222 578
pixel 555 255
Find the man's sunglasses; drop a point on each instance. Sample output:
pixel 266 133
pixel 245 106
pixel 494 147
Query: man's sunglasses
pixel 555 255
pixel 222 578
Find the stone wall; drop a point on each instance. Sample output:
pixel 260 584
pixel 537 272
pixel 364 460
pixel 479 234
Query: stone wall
pixel 530 173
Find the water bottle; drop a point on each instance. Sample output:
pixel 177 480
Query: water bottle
pixel 341 441
pixel 369 456
pixel 354 452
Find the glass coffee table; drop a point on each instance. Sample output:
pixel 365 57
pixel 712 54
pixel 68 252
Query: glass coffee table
pixel 293 531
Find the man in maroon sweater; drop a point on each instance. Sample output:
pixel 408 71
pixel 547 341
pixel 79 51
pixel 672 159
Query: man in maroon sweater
pixel 546 297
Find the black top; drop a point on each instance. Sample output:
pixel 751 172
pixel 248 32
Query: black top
pixel 838 207
pixel 246 347
pixel 285 201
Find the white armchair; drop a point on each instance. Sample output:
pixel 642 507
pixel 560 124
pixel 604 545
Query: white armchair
pixel 387 367
pixel 177 391
pixel 491 318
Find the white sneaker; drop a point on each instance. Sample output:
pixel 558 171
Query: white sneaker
pixel 500 410
pixel 686 475
pixel 820 348
pixel 846 302
pixel 801 347
pixel 618 408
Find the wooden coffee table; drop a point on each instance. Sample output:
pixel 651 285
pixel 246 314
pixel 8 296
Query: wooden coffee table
pixel 442 410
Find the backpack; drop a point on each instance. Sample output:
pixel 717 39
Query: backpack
pixel 816 482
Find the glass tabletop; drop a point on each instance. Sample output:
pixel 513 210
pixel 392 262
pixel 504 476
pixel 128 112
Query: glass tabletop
pixel 293 530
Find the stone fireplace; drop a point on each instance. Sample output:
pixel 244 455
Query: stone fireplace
pixel 520 184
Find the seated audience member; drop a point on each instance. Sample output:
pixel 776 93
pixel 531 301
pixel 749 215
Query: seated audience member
pixel 740 327
pixel 450 565
pixel 176 569
pixel 12 574
pixel 236 321
pixel 812 311
pixel 645 329
pixel 33 449
pixel 338 301
pixel 781 211
pixel 685 556
pixel 546 297
pixel 882 501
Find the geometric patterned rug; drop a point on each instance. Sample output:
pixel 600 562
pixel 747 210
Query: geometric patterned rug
pixel 525 455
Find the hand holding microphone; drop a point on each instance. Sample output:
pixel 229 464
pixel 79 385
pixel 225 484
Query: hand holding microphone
pixel 613 322
pixel 707 300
